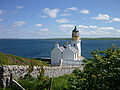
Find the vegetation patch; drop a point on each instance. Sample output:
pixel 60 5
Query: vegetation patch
pixel 8 59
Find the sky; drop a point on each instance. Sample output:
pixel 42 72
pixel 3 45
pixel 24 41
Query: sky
pixel 57 18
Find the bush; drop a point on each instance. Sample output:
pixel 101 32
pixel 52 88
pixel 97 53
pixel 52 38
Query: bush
pixel 101 72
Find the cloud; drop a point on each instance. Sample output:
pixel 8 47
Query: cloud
pixel 82 26
pixel 92 26
pixel 95 27
pixel 87 27
pixel 62 20
pixel 84 11
pixel 102 17
pixel 115 20
pixel 38 25
pixel 19 23
pixel 65 14
pixel 44 30
pixel 66 26
pixel 1 19
pixel 19 7
pixel 43 16
pixel 2 12
pixel 99 33
pixel 71 9
pixel 118 31
pixel 105 28
pixel 51 12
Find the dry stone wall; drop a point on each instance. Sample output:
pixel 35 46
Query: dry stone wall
pixel 19 71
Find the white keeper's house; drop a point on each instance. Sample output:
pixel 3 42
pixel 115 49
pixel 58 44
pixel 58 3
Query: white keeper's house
pixel 70 54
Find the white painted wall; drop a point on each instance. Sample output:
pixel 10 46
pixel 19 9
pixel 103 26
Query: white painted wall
pixel 68 54
pixel 56 56
pixel 77 45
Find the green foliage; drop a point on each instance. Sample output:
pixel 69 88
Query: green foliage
pixel 7 59
pixel 101 72
pixel 30 69
pixel 46 83
pixel 35 84
pixel 60 83
pixel 3 59
pixel 40 83
pixel 41 73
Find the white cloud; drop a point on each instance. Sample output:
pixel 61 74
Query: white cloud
pixel 105 28
pixel 19 23
pixel 65 14
pixel 83 26
pixel 51 12
pixel 19 7
pixel 92 26
pixel 84 11
pixel 87 27
pixel 99 33
pixel 38 25
pixel 71 9
pixel 44 30
pixel 66 26
pixel 62 20
pixel 2 12
pixel 1 19
pixel 102 17
pixel 95 27
pixel 43 16
pixel 116 19
pixel 118 31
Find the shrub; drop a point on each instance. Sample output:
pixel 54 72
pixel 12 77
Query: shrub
pixel 101 72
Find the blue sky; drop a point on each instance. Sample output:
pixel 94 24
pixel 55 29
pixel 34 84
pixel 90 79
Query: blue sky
pixel 57 18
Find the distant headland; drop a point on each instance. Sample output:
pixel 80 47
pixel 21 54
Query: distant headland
pixel 85 38
pixel 102 38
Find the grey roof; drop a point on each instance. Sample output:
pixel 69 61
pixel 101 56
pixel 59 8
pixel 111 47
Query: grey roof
pixel 74 49
pixel 62 48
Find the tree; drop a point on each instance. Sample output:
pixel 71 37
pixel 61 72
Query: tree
pixel 101 72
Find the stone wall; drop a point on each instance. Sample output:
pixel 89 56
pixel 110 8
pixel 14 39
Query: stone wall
pixel 19 71
pixel 71 62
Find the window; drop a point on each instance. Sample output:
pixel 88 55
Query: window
pixel 74 45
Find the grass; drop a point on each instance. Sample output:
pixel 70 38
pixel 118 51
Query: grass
pixel 8 59
pixel 44 83
pixel 61 82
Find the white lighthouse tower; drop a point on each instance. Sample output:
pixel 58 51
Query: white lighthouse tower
pixel 76 41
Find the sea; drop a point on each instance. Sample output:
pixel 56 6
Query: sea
pixel 39 48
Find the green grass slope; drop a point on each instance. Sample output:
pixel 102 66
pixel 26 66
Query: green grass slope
pixel 8 59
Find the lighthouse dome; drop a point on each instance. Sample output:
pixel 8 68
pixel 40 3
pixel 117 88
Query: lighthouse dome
pixel 75 29
pixel 75 34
